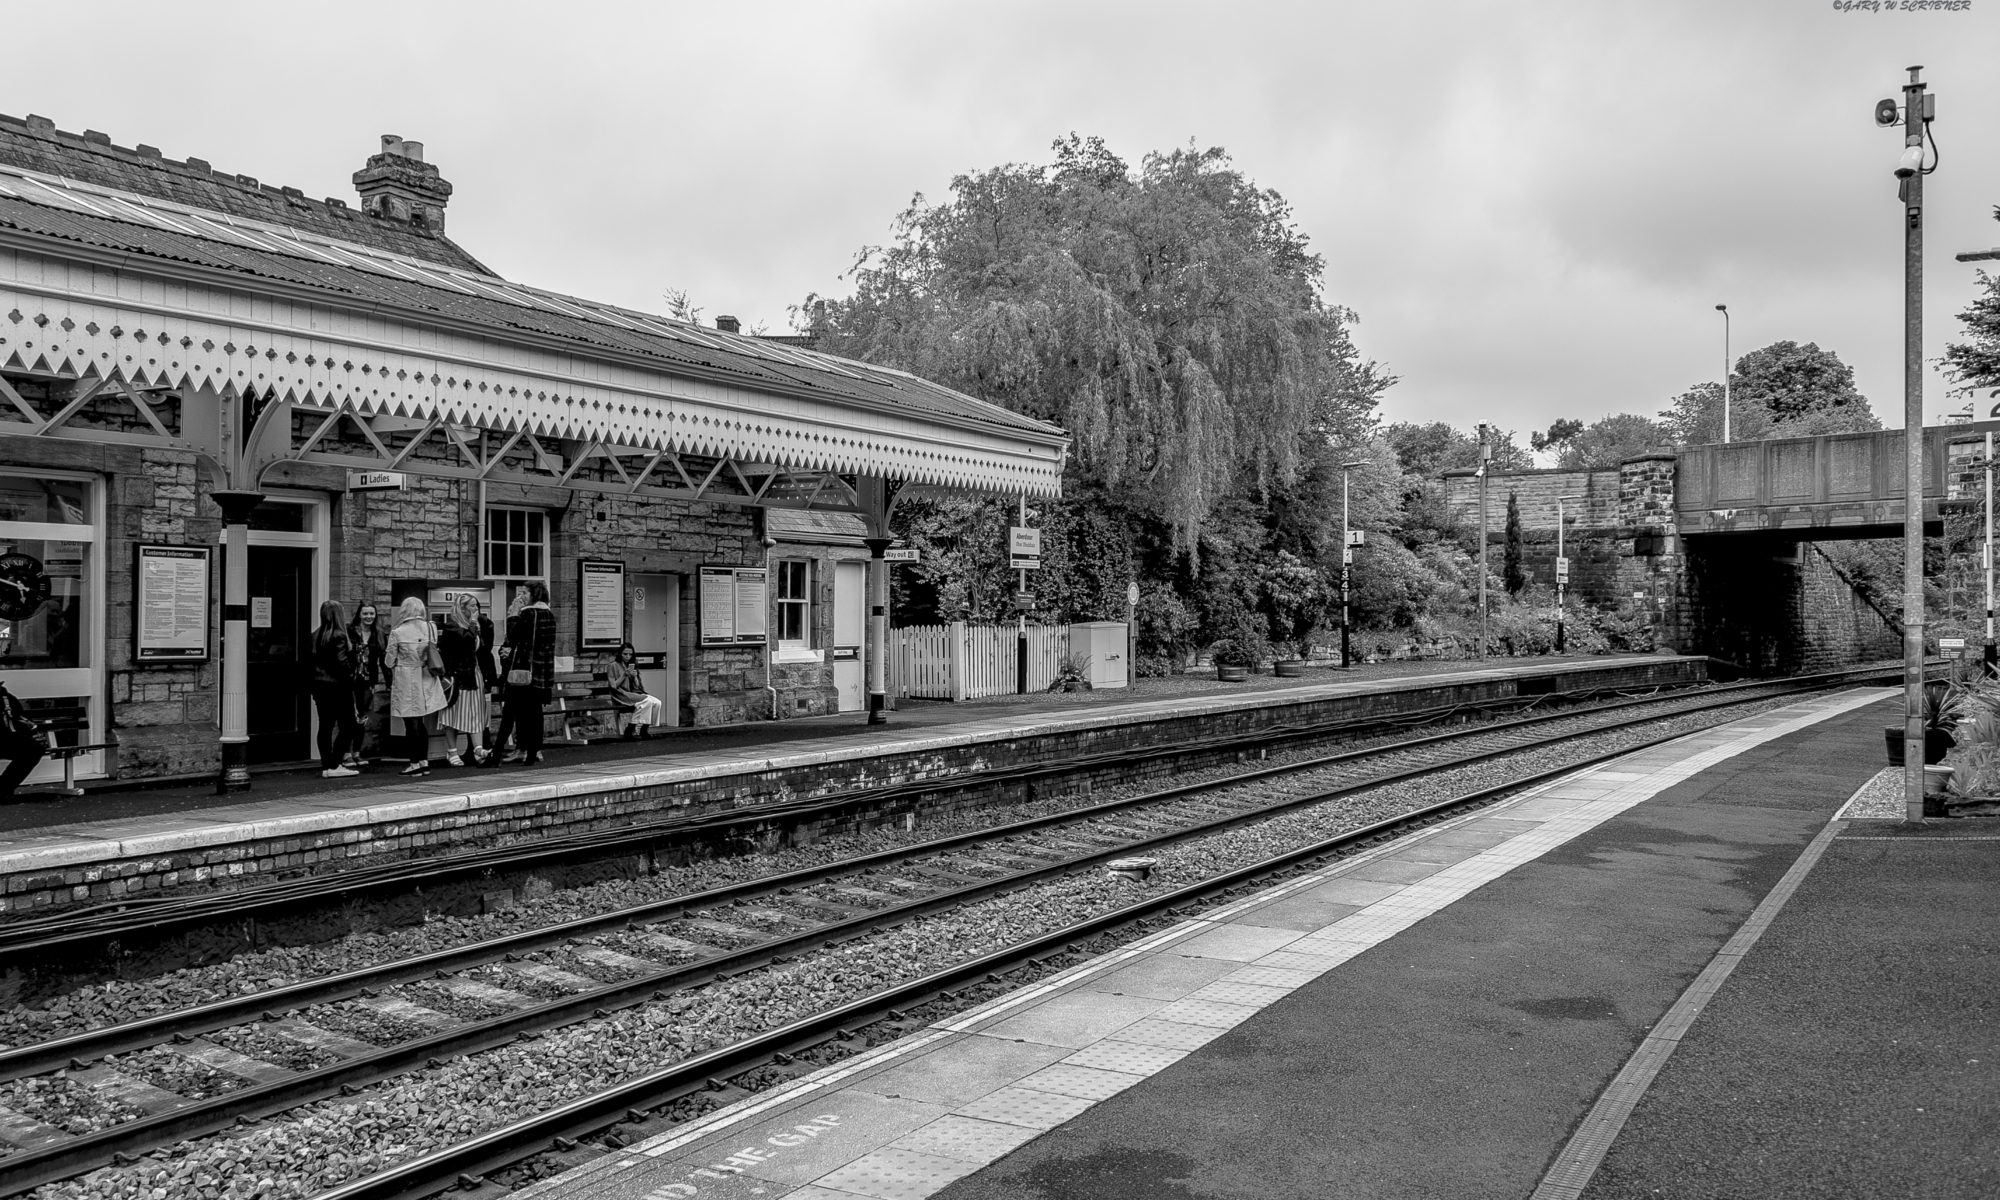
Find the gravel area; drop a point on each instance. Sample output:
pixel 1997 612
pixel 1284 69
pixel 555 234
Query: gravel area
pixel 1881 798
pixel 324 1144
pixel 64 1103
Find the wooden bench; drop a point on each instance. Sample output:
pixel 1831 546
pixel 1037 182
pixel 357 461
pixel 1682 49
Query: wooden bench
pixel 62 725
pixel 580 696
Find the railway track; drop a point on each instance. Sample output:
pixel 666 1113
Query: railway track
pixel 476 998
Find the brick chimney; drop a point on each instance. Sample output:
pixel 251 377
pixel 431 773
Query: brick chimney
pixel 399 185
pixel 729 324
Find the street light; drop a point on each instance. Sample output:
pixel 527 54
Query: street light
pixel 1346 555
pixel 1724 310
pixel 1562 570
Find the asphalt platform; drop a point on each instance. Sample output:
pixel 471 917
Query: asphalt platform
pixel 1679 974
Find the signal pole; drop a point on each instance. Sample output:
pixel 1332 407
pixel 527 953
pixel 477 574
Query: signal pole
pixel 1485 469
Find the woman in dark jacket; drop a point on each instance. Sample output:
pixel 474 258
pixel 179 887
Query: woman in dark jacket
pixel 333 693
pixel 367 639
pixel 531 648
pixel 458 645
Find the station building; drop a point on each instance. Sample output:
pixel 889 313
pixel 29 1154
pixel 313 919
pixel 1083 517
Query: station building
pixel 223 402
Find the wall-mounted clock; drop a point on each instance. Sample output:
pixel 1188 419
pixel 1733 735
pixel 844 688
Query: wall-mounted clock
pixel 23 585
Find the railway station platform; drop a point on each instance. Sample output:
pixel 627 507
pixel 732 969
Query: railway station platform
pixel 108 846
pixel 1691 971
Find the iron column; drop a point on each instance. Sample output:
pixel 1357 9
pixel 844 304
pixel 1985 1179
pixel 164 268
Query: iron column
pixel 236 507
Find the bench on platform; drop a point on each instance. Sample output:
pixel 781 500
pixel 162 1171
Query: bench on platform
pixel 62 725
pixel 580 696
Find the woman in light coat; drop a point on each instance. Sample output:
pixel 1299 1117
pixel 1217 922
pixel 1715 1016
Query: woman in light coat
pixel 414 691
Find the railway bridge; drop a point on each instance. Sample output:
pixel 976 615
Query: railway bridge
pixel 1722 547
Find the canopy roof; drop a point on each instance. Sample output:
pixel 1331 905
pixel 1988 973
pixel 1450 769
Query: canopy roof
pixel 96 281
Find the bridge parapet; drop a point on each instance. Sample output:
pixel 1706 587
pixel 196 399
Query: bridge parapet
pixel 1841 484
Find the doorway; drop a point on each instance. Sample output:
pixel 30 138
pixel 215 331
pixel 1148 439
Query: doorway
pixel 656 637
pixel 278 667
pixel 850 594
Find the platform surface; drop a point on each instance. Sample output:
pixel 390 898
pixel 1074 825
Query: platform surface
pixel 1441 1017
pixel 46 834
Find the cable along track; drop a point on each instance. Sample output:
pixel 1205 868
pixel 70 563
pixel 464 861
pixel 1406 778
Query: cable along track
pixel 715 935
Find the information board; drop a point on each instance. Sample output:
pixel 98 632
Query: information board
pixel 717 588
pixel 751 606
pixel 601 605
pixel 172 608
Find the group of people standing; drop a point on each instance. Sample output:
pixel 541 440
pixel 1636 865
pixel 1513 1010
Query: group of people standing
pixel 436 679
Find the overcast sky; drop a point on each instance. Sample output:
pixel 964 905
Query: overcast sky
pixel 1533 207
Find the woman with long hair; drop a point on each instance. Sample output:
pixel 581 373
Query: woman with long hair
pixel 622 674
pixel 415 692
pixel 333 693
pixel 459 644
pixel 365 636
pixel 531 673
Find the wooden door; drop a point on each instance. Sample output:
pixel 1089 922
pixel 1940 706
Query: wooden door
pixel 656 636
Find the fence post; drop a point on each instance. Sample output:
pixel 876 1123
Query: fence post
pixel 955 655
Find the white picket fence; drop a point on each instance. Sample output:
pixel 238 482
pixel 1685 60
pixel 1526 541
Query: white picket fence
pixel 964 662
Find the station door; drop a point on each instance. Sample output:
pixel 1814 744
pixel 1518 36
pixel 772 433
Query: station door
pixel 850 624
pixel 656 634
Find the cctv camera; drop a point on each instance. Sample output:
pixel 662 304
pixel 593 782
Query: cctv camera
pixel 1885 112
pixel 1912 162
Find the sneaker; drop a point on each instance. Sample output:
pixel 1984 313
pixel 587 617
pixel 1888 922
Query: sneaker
pixel 514 756
pixel 416 768
pixel 451 756
pixel 339 773
pixel 352 762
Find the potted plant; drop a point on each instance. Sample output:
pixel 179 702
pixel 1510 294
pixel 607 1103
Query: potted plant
pixel 1942 704
pixel 1072 674
pixel 1973 786
pixel 1232 661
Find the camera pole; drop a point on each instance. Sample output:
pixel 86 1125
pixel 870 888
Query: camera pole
pixel 1916 118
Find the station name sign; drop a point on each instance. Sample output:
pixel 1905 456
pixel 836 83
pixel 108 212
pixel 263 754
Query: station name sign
pixel 377 481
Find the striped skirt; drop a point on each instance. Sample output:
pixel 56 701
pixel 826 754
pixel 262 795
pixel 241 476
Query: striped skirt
pixel 467 711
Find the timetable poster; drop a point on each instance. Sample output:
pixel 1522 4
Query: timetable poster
pixel 718 605
pixel 172 609
pixel 602 593
pixel 751 621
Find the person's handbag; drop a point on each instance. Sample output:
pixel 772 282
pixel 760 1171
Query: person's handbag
pixel 433 659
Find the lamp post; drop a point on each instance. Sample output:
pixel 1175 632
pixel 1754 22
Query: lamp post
pixel 1562 571
pixel 1346 557
pixel 1724 310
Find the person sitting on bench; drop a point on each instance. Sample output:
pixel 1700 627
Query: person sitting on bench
pixel 622 674
pixel 21 743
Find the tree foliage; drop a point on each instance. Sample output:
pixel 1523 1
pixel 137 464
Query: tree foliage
pixel 1781 390
pixel 1513 572
pixel 1170 318
pixel 1974 364
pixel 1609 441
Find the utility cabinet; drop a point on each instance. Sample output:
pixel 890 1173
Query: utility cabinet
pixel 1104 643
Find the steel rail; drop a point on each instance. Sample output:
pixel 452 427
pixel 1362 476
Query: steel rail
pixel 54 1053
pixel 31 1168
pixel 467 1161
pixel 162 916
pixel 157 913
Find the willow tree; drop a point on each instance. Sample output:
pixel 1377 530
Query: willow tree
pixel 1171 318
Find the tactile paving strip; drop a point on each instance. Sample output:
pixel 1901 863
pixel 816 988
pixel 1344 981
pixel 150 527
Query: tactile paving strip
pixel 1025 1106
pixel 892 1174
pixel 1086 1083
pixel 964 1138
pixel 1132 1058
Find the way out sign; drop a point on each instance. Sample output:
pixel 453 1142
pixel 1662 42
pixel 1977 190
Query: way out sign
pixel 1562 570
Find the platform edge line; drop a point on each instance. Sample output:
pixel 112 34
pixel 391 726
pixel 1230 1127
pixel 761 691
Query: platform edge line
pixel 1584 1154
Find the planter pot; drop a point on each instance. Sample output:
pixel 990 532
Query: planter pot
pixel 1232 674
pixel 1290 668
pixel 1937 780
pixel 1936 743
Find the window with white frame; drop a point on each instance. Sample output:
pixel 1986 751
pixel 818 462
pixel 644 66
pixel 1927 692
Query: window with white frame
pixel 516 544
pixel 794 597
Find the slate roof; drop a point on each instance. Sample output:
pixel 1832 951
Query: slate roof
pixel 372 276
pixel 89 157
